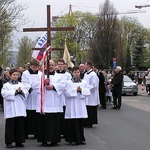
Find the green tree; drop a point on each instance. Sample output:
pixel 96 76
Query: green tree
pixel 145 63
pixel 128 61
pixel 78 40
pixel 138 53
pixel 146 50
pixel 25 50
pixel 132 31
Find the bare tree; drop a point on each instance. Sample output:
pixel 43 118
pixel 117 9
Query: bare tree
pixel 10 19
pixel 12 11
pixel 104 43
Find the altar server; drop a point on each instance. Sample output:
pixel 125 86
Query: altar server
pixel 31 78
pixel 14 94
pixel 93 100
pixel 76 92
pixel 66 76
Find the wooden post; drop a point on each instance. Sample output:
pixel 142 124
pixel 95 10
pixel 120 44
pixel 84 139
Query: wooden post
pixel 48 29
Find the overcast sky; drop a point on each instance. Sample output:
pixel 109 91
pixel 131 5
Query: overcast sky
pixel 36 11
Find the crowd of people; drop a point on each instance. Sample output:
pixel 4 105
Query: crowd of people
pixel 61 106
pixel 141 77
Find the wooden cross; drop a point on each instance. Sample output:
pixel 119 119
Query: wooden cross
pixel 48 29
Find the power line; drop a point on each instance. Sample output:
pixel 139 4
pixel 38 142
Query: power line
pixel 54 18
pixel 141 6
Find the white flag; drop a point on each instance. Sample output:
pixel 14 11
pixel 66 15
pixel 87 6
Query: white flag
pixel 67 57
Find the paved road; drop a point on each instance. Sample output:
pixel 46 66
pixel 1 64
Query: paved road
pixel 125 129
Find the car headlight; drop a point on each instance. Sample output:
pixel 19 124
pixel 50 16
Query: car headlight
pixel 134 86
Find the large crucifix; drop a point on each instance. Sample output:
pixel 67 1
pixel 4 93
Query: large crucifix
pixel 48 29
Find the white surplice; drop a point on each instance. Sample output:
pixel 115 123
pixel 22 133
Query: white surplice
pixel 14 105
pixel 52 102
pixel 75 101
pixel 93 82
pixel 34 81
pixel 65 77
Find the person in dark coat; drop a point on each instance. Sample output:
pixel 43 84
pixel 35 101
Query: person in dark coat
pixel 5 79
pixel 117 84
pixel 1 85
pixel 102 87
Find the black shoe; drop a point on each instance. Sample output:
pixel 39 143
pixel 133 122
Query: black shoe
pixel 9 145
pixel 72 143
pixel 113 108
pixel 26 137
pixel 88 126
pixel 35 136
pixel 102 107
pixel 19 145
pixel 81 143
pixel 54 144
pixel 44 144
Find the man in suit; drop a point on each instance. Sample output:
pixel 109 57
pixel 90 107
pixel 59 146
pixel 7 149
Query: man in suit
pixel 117 84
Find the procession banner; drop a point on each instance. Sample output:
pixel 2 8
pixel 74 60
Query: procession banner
pixel 67 57
pixel 41 43
pixel 42 98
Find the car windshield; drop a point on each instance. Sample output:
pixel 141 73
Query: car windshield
pixel 126 79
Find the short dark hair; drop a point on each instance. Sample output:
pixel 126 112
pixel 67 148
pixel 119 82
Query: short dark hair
pixel 12 71
pixel 75 68
pixel 90 63
pixel 34 62
pixel 61 60
pixel 96 66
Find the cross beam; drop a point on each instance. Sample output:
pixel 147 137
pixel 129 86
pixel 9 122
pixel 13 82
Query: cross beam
pixel 45 29
pixel 48 29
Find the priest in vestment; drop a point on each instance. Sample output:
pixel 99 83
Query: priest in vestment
pixel 48 126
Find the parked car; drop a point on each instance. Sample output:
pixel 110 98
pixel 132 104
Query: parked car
pixel 129 86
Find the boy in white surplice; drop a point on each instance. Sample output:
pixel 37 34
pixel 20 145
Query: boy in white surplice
pixel 76 91
pixel 31 78
pixel 15 95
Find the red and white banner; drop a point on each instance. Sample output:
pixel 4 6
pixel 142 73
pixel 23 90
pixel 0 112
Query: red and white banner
pixel 41 43
pixel 43 77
